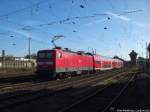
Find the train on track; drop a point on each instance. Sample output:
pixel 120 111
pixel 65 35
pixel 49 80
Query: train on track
pixel 60 62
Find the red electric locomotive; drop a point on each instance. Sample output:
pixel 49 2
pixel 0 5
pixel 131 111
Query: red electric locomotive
pixel 58 62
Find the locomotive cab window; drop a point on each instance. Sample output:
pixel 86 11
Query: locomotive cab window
pixel 41 55
pixel 49 55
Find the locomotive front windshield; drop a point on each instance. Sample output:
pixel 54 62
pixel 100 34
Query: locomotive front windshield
pixel 47 55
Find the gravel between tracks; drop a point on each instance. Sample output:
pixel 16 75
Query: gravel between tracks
pixel 61 94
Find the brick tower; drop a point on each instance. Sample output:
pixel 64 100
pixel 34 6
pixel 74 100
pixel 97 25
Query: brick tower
pixel 133 56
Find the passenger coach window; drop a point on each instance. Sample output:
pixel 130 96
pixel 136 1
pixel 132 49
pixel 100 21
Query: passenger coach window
pixel 98 62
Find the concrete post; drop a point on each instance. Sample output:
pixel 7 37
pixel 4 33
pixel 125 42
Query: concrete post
pixel 3 59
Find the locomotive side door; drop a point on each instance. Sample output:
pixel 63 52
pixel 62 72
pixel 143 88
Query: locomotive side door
pixel 66 63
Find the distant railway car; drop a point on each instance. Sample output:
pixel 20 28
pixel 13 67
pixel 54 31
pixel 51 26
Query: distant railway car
pixel 62 62
pixel 101 63
pixel 117 63
pixel 97 63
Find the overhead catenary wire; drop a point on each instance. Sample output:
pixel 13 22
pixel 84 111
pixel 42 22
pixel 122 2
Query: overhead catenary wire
pixel 63 21
pixel 24 28
pixel 68 20
pixel 60 21
pixel 22 9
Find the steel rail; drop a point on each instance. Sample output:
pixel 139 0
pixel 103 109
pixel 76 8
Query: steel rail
pixel 14 87
pixel 36 94
pixel 119 94
pixel 89 97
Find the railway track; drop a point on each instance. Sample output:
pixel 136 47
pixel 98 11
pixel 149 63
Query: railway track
pixel 99 101
pixel 27 85
pixel 136 97
pixel 27 96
